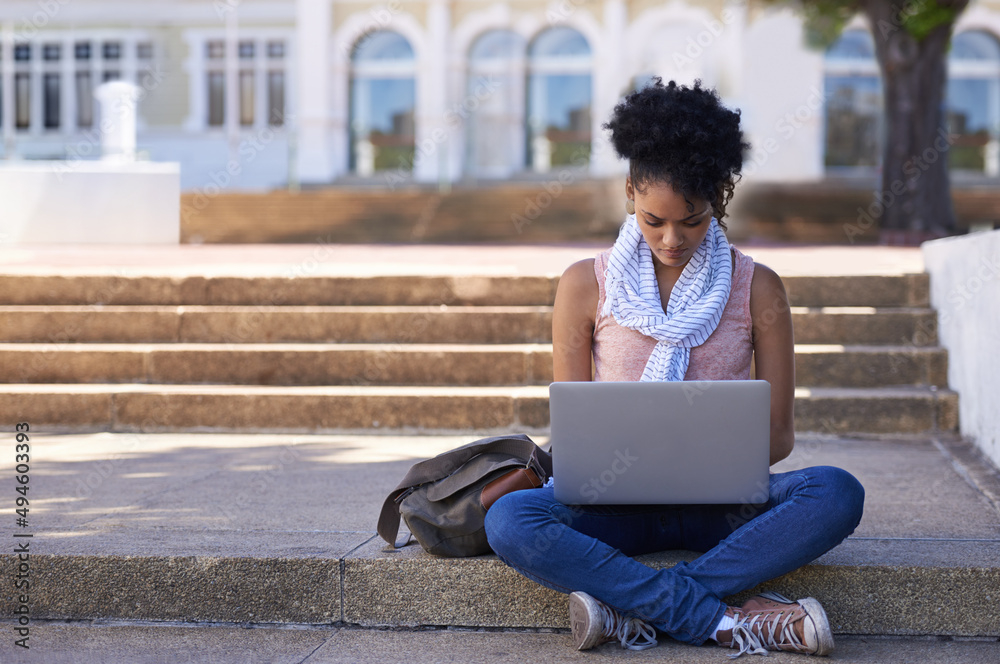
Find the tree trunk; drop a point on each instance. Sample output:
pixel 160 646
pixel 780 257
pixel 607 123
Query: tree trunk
pixel 914 202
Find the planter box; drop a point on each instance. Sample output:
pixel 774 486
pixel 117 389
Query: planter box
pixel 89 202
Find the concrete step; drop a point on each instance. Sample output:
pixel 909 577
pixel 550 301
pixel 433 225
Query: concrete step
pixel 865 325
pixel 285 324
pixel 940 583
pixel 404 364
pixel 254 529
pixel 907 290
pixel 870 366
pixel 857 582
pixel 297 288
pixel 100 642
pixel 301 288
pixel 395 324
pixel 279 364
pixel 249 408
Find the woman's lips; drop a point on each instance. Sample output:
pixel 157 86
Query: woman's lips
pixel 672 254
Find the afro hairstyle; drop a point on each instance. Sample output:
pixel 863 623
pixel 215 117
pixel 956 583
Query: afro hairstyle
pixel 682 136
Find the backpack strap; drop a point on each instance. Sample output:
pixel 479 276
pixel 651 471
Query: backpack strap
pixel 442 466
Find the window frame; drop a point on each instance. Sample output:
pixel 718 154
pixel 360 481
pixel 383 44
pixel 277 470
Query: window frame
pixel 260 68
pixel 68 68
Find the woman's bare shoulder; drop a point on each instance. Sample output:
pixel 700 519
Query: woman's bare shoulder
pixel 765 281
pixel 580 275
pixel 768 303
pixel 578 287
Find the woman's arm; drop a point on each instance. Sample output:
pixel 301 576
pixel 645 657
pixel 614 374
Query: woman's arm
pixel 774 355
pixel 573 322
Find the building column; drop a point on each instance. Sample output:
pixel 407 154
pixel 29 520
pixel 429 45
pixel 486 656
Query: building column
pixel 734 21
pixel 608 70
pixel 232 105
pixel 458 104
pixel 7 64
pixel 432 134
pixel 311 120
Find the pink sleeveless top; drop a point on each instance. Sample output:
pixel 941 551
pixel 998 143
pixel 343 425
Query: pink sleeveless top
pixel 620 354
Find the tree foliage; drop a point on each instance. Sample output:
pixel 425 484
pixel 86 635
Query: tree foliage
pixel 911 45
pixel 825 19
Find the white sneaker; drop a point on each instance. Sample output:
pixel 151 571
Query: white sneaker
pixel 594 623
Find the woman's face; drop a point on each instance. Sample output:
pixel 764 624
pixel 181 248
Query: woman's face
pixel 672 225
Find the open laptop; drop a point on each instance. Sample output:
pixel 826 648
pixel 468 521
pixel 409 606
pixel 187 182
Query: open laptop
pixel 660 443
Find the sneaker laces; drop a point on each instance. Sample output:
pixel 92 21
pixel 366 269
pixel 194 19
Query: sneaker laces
pixel 753 634
pixel 627 631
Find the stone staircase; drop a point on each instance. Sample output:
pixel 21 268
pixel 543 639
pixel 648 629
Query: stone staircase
pixel 404 354
pixel 171 480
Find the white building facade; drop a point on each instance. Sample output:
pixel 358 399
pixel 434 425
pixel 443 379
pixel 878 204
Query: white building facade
pixel 261 94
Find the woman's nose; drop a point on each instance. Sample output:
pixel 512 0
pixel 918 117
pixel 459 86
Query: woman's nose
pixel 671 237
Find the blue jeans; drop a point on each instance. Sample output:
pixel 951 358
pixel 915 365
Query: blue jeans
pixel 590 548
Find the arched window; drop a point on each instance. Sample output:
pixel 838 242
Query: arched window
pixel 853 91
pixel 493 106
pixel 973 102
pixel 382 103
pixel 559 95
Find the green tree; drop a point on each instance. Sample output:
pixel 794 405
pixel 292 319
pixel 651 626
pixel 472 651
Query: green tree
pixel 911 44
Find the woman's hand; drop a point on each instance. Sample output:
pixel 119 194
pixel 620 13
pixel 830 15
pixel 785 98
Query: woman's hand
pixel 573 316
pixel 774 355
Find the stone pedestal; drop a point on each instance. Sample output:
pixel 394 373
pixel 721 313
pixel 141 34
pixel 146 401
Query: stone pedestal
pixel 90 202
pixel 118 102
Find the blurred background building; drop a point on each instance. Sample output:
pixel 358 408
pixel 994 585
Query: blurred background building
pixel 264 94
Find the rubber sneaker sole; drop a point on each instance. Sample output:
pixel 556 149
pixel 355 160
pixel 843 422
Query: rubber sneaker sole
pixel 585 621
pixel 819 641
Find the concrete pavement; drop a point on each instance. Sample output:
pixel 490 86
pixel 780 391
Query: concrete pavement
pixel 119 643
pixel 281 529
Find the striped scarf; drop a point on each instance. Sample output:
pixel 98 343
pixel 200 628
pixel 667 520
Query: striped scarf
pixel 696 302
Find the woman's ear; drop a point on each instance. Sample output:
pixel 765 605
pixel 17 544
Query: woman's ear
pixel 629 190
